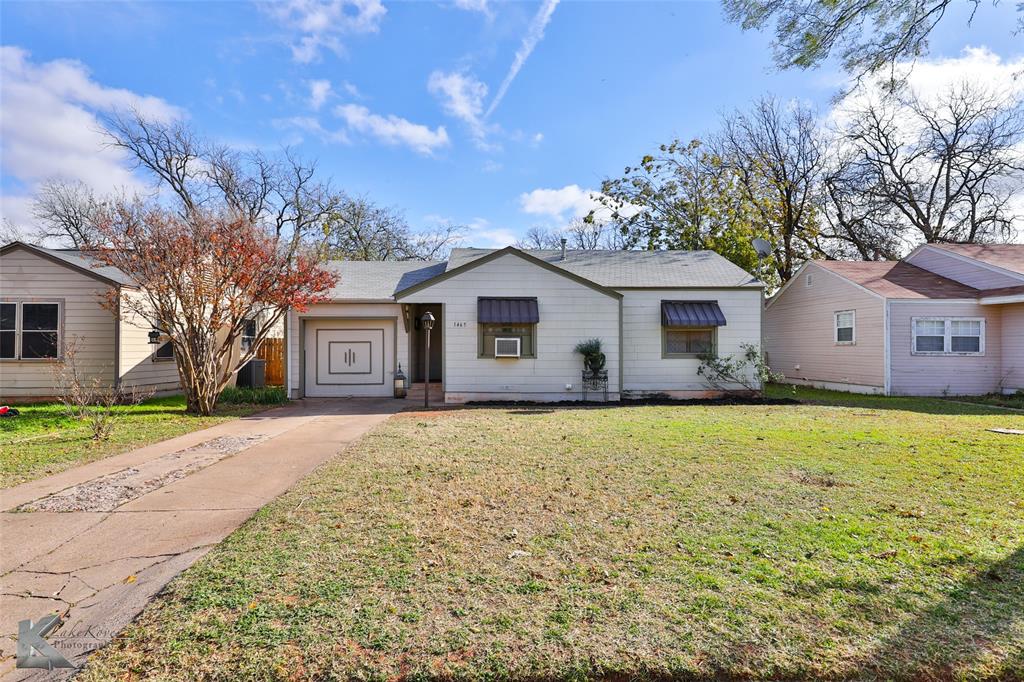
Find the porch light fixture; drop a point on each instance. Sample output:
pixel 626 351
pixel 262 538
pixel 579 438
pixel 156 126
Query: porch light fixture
pixel 428 323
pixel 154 337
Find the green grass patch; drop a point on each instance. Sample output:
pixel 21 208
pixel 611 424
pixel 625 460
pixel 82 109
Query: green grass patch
pixel 44 440
pixel 1015 400
pixel 847 537
pixel 271 395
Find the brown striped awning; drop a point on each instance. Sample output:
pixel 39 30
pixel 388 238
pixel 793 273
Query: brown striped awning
pixel 691 314
pixel 507 311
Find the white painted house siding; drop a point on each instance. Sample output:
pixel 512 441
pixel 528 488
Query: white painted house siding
pixel 570 312
pixel 138 365
pixel 799 331
pixel 645 371
pixel 341 311
pixel 943 374
pixel 962 270
pixel 26 276
pixel 1013 347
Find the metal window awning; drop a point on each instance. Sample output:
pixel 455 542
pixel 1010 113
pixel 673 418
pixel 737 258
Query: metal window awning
pixel 507 311
pixel 691 314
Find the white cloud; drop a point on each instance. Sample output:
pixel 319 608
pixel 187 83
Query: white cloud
pixel 570 201
pixel 321 24
pixel 50 128
pixel 481 6
pixel 530 40
pixel 352 90
pixel 319 91
pixel 392 129
pixel 309 124
pixel 482 234
pixel 930 79
pixel 491 166
pixel 462 96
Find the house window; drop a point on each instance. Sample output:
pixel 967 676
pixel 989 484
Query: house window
pixel 8 330
pixel 164 351
pixel 248 334
pixel 948 336
pixel 29 331
pixel 688 343
pixel 844 325
pixel 526 333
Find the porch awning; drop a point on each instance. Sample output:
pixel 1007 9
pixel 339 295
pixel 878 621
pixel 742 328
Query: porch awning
pixel 691 314
pixel 507 311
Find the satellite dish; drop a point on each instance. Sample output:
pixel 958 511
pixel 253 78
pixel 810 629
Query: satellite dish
pixel 763 247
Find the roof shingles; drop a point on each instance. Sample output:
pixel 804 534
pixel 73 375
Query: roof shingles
pixel 896 279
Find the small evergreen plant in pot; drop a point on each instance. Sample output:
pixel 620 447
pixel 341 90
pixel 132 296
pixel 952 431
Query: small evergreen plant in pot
pixel 593 358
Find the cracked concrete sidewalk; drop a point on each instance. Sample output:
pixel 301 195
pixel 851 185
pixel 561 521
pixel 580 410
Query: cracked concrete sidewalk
pixel 99 568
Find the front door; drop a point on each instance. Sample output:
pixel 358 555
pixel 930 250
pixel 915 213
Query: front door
pixel 349 358
pixel 436 343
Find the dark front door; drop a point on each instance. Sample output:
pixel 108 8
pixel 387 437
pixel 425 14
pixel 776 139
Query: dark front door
pixel 419 337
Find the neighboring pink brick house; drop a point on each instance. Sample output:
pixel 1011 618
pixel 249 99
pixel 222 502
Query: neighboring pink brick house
pixel 946 320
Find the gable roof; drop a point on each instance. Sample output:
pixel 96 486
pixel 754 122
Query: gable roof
pixel 1007 256
pixel 490 255
pixel 379 280
pixel 76 260
pixel 898 279
pixel 634 269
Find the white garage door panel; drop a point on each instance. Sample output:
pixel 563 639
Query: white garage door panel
pixel 349 358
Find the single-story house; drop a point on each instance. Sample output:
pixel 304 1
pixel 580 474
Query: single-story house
pixel 50 299
pixel 946 320
pixel 507 321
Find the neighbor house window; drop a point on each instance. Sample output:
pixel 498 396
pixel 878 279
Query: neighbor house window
pixel 165 351
pixel 845 320
pixel 948 336
pixel 681 343
pixel 248 334
pixel 29 331
pixel 526 333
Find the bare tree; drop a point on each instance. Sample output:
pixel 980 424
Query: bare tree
pixel 947 169
pixel 360 229
pixel 775 153
pixel 67 213
pixel 539 238
pixel 283 192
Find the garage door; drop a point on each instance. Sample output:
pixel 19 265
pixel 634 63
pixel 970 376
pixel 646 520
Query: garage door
pixel 349 358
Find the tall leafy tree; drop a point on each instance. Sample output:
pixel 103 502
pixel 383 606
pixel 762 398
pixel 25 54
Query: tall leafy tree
pixel 683 197
pixel 865 35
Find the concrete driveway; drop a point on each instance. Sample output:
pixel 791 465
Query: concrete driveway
pixel 96 543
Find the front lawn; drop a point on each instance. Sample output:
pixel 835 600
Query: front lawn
pixel 1014 400
pixel 43 440
pixel 846 537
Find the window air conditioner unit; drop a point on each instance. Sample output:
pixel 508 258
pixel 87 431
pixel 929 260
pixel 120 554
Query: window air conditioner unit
pixel 506 347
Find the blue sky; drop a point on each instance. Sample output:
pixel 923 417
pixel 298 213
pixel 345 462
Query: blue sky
pixel 398 101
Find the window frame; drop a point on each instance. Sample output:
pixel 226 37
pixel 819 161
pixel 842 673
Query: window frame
pixel 481 346
pixel 19 328
pixel 947 336
pixel 852 327
pixel 665 355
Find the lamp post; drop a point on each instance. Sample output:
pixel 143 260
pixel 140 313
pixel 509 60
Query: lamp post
pixel 428 324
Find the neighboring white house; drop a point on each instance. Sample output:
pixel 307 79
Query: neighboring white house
pixel 507 322
pixel 947 319
pixel 51 299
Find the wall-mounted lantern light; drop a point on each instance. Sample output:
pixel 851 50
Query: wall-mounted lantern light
pixel 154 337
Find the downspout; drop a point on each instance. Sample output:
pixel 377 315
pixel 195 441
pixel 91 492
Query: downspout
pixel 887 388
pixel 622 350
pixel 117 340
pixel 287 355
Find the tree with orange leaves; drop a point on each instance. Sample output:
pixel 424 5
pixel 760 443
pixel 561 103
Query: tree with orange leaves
pixel 202 276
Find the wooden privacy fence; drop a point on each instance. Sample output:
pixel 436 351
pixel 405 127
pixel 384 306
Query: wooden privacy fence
pixel 272 350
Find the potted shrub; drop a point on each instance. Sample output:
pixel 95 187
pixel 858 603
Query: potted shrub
pixel 593 358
